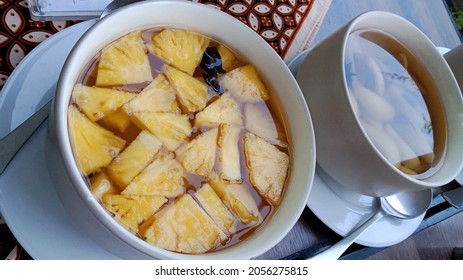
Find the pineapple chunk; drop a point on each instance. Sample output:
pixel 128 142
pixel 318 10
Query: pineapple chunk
pixel 229 61
pixel 182 49
pixel 268 167
pixel 244 84
pixel 124 62
pixel 131 210
pixel 259 120
pixel 100 186
pixel 239 199
pixel 198 156
pixel 229 155
pixel 117 121
pixel 134 158
pixel 94 147
pixel 164 176
pixel 192 93
pixel 223 110
pixel 171 128
pixel 97 102
pixel 212 204
pixel 184 227
pixel 158 96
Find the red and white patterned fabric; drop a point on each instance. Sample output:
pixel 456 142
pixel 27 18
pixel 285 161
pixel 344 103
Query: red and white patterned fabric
pixel 19 34
pixel 287 25
pixel 277 21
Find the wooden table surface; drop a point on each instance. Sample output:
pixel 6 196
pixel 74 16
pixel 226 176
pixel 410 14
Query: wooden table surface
pixel 434 242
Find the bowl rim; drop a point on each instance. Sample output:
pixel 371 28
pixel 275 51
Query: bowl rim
pixel 68 78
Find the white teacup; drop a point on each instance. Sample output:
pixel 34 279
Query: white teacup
pixel 344 150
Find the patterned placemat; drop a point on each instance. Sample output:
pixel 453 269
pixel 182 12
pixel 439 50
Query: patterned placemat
pixel 287 25
pixel 19 34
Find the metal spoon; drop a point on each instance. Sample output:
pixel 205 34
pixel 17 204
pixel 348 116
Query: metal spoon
pixel 454 197
pixel 405 205
pixel 13 141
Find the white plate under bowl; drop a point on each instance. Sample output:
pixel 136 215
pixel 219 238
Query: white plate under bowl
pixel 28 201
pixel 342 209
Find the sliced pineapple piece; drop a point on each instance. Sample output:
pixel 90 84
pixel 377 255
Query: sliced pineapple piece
pixel 214 206
pixel 239 199
pixel 94 147
pixel 268 167
pixel 180 48
pixel 171 128
pixel 244 84
pixel 192 93
pixel 259 120
pixel 223 110
pixel 229 162
pixel 118 121
pixel 134 158
pixel 158 96
pixel 131 210
pixel 198 156
pixel 184 227
pixel 229 61
pixel 164 176
pixel 101 185
pixel 97 102
pixel 124 62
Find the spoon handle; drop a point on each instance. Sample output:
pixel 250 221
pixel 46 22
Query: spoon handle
pixel 335 251
pixel 14 140
pixel 454 197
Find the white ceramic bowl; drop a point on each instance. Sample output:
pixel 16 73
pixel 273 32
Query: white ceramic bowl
pixel 74 192
pixel 343 149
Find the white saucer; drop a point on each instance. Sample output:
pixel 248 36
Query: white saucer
pixel 342 209
pixel 28 201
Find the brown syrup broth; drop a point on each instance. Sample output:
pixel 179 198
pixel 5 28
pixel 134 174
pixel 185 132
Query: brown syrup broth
pixel 192 181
